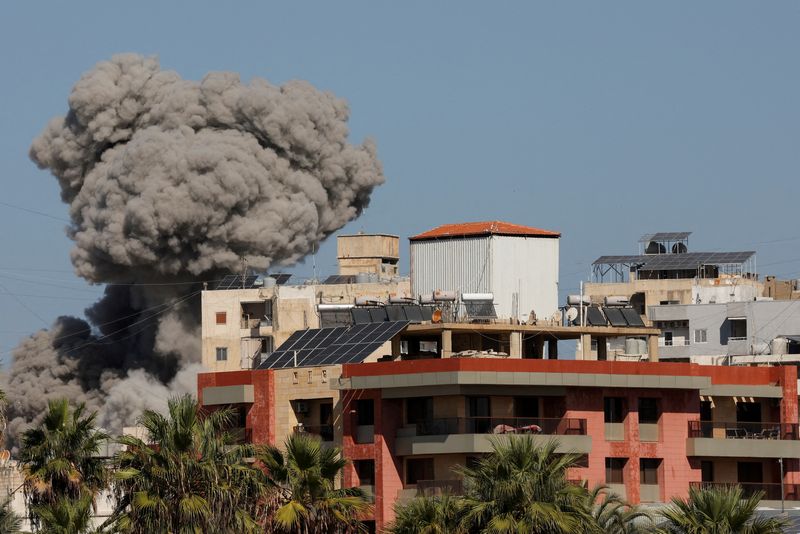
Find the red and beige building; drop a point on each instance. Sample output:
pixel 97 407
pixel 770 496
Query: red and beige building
pixel 411 389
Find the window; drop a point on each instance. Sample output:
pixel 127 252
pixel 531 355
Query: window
pixel 419 469
pixel 738 328
pixel 222 354
pixel 419 409
pixel 669 302
pixel 613 411
pixel 429 346
pixel 614 470
pixel 648 411
pixel 365 469
pixel 648 470
pixel 701 335
pixel 221 317
pixel 707 471
pixel 365 411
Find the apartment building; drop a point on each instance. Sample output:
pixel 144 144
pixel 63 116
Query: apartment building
pixel 414 386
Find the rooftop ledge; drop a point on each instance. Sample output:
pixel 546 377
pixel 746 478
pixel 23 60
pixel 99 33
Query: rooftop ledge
pixel 527 372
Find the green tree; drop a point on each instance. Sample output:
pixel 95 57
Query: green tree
pixel 305 497
pixel 65 516
pixel 523 488
pixel 719 511
pixel 616 516
pixel 429 515
pixel 60 461
pixel 10 522
pixel 189 477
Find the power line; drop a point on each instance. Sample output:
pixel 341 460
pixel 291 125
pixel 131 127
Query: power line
pixel 35 212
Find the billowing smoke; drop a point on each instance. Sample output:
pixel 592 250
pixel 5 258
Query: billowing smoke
pixel 170 182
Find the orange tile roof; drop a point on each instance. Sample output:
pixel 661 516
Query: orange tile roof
pixel 483 228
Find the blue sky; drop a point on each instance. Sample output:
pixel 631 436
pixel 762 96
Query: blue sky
pixel 600 120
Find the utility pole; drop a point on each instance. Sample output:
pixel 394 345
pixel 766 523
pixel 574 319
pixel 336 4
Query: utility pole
pixel 783 505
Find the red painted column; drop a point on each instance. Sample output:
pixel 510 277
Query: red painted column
pixel 789 415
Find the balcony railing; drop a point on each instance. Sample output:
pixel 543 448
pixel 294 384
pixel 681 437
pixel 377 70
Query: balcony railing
pixel 325 432
pixel 502 425
pixel 772 492
pixel 723 430
pixel 429 488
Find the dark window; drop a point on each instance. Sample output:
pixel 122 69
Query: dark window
pixel 221 317
pixel 526 406
pixel 613 411
pixel 365 410
pixel 752 472
pixel 614 470
pixel 648 470
pixel 419 409
pixel 365 469
pixel 738 328
pixel 748 412
pixel 419 469
pixel 648 411
pixel 222 354
pixel 473 461
pixel 479 411
pixel 582 461
pixel 707 471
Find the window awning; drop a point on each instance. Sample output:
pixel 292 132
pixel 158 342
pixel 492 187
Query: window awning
pixel 737 318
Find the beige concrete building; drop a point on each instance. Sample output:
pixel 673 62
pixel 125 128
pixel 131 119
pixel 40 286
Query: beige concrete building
pixel 241 326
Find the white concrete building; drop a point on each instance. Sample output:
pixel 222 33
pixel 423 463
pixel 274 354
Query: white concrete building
pixel 517 264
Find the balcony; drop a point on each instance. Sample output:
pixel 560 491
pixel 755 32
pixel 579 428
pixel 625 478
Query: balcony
pixel 753 440
pixel 719 430
pixel 502 425
pixel 772 492
pixel 469 435
pixel 324 432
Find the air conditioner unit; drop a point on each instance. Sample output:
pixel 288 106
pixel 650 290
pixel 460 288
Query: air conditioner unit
pixel 301 407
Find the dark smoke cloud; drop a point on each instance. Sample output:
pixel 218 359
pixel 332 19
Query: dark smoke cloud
pixel 170 181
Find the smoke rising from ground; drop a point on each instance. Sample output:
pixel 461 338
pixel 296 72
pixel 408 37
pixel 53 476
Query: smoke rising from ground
pixel 171 181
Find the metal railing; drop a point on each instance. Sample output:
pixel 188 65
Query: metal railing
pixel 772 491
pixel 429 488
pixel 323 431
pixel 736 430
pixel 502 425
pixel 685 342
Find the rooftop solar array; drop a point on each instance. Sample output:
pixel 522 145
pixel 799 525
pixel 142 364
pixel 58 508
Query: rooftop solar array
pixel 281 278
pixel 631 317
pixel 480 309
pixel 665 236
pixel 615 317
pixel 234 281
pixel 332 346
pixel 594 317
pixel 677 262
pixel 340 279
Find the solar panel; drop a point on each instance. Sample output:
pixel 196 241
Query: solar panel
pixel 378 315
pixel 340 279
pixel 332 318
pixel 480 309
pixel 396 313
pixel 664 236
pixel 675 262
pixel 413 314
pixel 594 317
pixel 281 278
pixel 234 281
pixel 615 317
pixel 427 313
pixel 361 315
pixel 633 318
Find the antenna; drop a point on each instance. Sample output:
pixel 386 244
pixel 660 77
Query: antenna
pixel 314 261
pixel 244 270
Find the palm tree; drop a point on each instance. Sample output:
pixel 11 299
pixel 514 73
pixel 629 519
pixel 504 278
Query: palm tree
pixel 719 511
pixel 65 516
pixel 616 516
pixel 190 477
pixel 522 488
pixel 60 459
pixel 10 523
pixel 429 515
pixel 305 498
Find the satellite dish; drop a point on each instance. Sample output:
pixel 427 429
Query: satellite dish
pixel 572 314
pixel 436 316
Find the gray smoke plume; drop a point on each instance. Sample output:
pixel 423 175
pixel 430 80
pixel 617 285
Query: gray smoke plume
pixel 168 182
